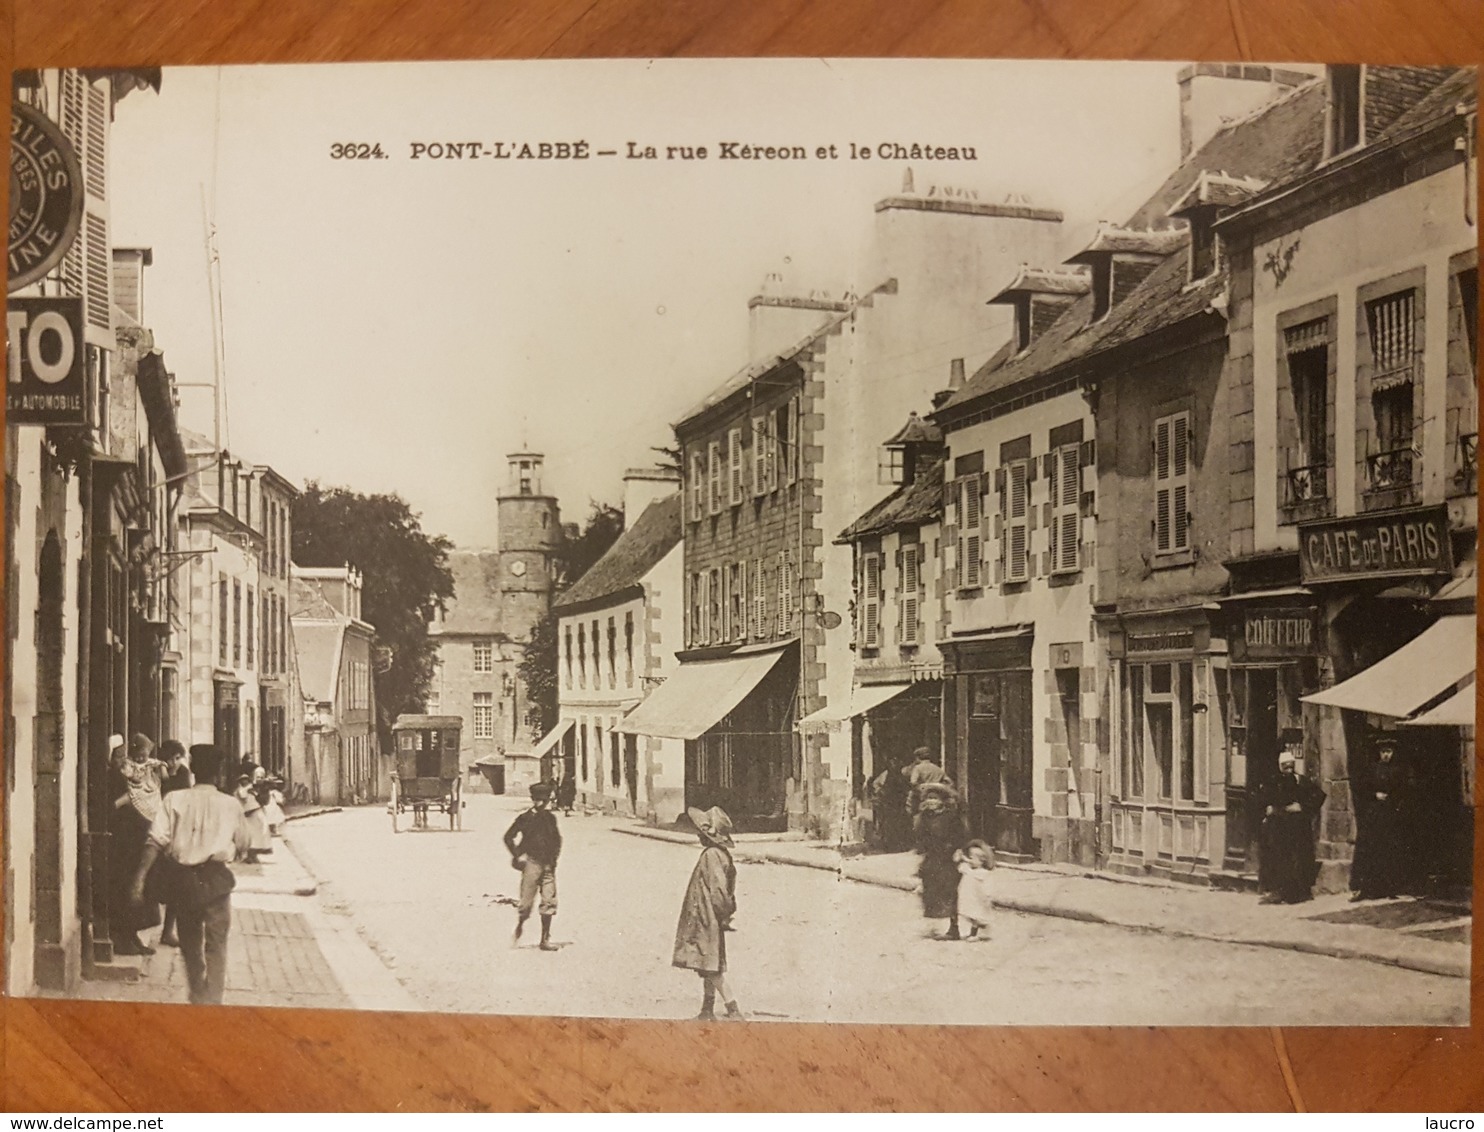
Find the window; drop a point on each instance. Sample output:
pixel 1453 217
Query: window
pixel 598 756
pixel 713 607
pixel 1392 333
pixel 1015 544
pixel 251 633
pixel 759 600
pixel 283 542
pixel 223 641
pixel 890 465
pixel 1468 295
pixel 761 446
pixel 615 761
pixel 283 635
pixel 783 419
pixel 236 621
pixel 582 742
pixel 969 516
pixel 795 459
pixel 910 597
pixel 870 619
pixel 1160 718
pixel 694 636
pixel 435 701
pixel 1346 82
pixel 597 656
pixel 581 655
pixel 484 656
pixel 736 602
pixel 484 715
pixel 1064 488
pixel 1172 483
pixel 567 652
pixel 785 593
pixel 1203 246
pixel 697 485
pixel 628 648
pixel 734 466
pixel 713 456
pixel 612 653
pixel 1307 350
pixel 265 631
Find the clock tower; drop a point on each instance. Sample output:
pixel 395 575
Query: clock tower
pixel 530 529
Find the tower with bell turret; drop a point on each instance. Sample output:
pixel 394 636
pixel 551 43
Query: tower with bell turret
pixel 529 527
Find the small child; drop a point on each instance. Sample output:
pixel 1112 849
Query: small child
pixel 273 808
pixel 975 904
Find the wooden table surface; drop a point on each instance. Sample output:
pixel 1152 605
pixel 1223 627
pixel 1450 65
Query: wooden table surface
pixel 63 1056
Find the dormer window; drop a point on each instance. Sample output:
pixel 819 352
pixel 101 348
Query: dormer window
pixel 1203 250
pixel 1345 121
pixel 1102 285
pixel 1039 296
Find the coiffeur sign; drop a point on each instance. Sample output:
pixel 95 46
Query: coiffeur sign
pixel 1388 544
pixel 46 194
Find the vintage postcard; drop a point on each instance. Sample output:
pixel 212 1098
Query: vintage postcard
pixel 950 542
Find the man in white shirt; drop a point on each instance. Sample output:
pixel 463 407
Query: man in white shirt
pixel 195 833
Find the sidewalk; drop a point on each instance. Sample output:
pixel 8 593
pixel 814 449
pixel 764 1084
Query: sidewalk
pixel 285 949
pixel 1405 932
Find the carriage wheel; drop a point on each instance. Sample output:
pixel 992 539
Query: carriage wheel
pixel 456 806
pixel 396 806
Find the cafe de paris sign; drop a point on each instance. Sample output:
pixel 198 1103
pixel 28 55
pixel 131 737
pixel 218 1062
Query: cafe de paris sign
pixel 46 194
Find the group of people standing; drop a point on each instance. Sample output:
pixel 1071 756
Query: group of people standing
pixel 173 832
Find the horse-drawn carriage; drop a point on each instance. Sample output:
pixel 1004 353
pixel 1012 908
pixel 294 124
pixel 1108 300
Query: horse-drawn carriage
pixel 427 778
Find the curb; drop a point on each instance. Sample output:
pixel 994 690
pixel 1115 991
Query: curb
pixel 1457 969
pixel 302 814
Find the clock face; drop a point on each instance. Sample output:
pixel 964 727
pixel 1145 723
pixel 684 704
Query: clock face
pixel 518 568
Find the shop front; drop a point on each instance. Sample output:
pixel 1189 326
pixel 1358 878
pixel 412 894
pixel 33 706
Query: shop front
pixel 1170 691
pixel 737 715
pixel 987 701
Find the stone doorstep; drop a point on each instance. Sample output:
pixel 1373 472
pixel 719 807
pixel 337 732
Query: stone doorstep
pixel 120 969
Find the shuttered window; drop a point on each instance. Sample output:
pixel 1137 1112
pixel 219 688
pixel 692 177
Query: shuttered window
pixel 87 269
pixel 795 437
pixel 713 456
pixel 910 598
pixel 697 485
pixel 1172 483
pixel 870 623
pixel 1017 534
pixel 760 447
pixel 759 600
pixel 1064 485
pixel 737 601
pixel 969 515
pixel 734 466
pixel 785 593
pixel 1393 339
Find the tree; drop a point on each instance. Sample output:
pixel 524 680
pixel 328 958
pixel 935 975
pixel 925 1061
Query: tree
pixel 406 578
pixel 538 664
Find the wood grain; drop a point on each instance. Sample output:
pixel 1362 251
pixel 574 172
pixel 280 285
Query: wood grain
pixel 59 1056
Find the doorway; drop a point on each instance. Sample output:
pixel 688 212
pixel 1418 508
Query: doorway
pixel 999 785
pixel 1256 740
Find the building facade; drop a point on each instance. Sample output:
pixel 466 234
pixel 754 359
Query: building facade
pixel 618 630
pixel 499 597
pixel 343 760
pixel 1354 315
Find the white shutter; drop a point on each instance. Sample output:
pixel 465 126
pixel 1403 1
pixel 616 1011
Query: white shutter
pixel 759 455
pixel 1162 523
pixel 771 464
pixel 911 585
pixel 795 440
pixel 871 601
pixel 760 601
pixel 1017 527
pixel 972 533
pixel 785 594
pixel 1066 490
pixel 734 450
pixel 1179 502
pixel 697 485
pixel 713 456
pixel 1172 483
pixel 87 269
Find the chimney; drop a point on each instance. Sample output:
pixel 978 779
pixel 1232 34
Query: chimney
pixel 1212 94
pixel 643 486
pixel 779 320
pixel 128 280
pixel 956 374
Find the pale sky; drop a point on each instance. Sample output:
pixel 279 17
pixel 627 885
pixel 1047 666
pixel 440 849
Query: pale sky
pixel 399 325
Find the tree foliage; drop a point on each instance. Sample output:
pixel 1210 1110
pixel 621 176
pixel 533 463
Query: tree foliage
pixel 538 665
pixel 405 578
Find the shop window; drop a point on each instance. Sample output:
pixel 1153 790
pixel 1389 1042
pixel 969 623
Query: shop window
pixel 1133 735
pixel 1160 719
pixel 1172 483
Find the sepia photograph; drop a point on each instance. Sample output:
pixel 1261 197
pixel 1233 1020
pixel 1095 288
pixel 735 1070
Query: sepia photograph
pixel 949 542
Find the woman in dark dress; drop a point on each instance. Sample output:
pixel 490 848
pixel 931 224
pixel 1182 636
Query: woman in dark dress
pixel 1377 871
pixel 939 826
pixel 1289 803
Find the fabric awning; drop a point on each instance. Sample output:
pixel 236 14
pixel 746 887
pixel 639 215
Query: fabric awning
pixel 862 700
pixel 1397 685
pixel 698 696
pixel 552 738
pixel 1456 711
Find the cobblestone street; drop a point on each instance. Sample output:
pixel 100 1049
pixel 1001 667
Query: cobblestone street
pixel 437 907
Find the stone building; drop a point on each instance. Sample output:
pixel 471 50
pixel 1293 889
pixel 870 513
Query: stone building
pixel 342 762
pixel 618 629
pixel 1352 549
pixel 499 597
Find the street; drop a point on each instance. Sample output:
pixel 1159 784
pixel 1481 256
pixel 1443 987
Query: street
pixel 437 906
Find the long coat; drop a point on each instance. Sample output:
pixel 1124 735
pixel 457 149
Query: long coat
pixel 710 901
pixel 1288 867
